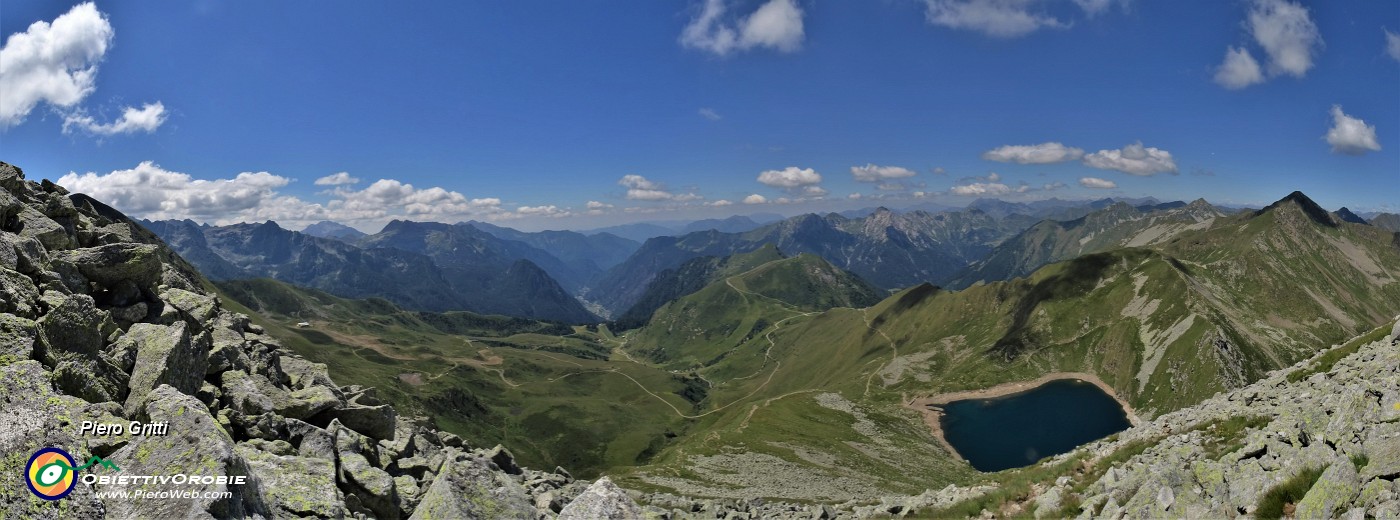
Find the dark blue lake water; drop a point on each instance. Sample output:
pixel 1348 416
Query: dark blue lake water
pixel 1019 429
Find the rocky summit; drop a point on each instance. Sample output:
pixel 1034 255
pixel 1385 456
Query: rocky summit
pixel 101 324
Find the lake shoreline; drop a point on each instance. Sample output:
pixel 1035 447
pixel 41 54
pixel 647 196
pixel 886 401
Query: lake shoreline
pixel 931 406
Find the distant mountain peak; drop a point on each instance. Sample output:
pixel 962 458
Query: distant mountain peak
pixel 1347 216
pixel 1306 205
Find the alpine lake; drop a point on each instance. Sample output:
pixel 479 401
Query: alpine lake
pixel 1017 430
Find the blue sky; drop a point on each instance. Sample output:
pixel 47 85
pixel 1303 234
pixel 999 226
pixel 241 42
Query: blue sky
pixel 576 114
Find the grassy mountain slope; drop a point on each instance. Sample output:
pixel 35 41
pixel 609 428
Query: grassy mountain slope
pixel 1166 326
pixel 691 276
pixel 701 329
pixel 546 391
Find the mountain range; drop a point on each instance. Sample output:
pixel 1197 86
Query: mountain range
pixel 888 249
pixel 431 267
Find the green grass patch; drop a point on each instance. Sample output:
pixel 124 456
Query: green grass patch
pixel 1325 362
pixel 1224 436
pixel 1276 501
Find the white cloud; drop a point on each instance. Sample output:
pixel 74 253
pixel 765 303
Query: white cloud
pixel 709 113
pixel 593 204
pixel 1044 153
pixel 52 63
pixel 551 211
pixel 755 199
pixel 337 179
pixel 777 25
pixel 1287 34
pixel 638 182
pixel 873 173
pixel 153 192
pixel 145 119
pixel 1094 8
pixel 640 188
pixel 1392 44
pixel 719 203
pixel 1134 159
pixel 790 178
pixel 1097 183
pixel 998 18
pixel 814 192
pixel 150 191
pixel 1239 70
pixel 639 194
pixel 854 196
pixel 686 197
pixel 981 189
pixel 1351 136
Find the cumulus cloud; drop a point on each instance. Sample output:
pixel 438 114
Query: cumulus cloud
pixel 1287 33
pixel 873 173
pixel 153 192
pixel 593 204
pixel 709 113
pixel 998 18
pixel 150 191
pixel 687 197
pixel 551 211
pixel 981 189
pixel 719 203
pixel 1392 44
pixel 1351 136
pixel 640 188
pixel 145 119
pixel 1043 153
pixel 337 179
pixel 777 25
pixel 1239 70
pixel 54 63
pixel 1134 159
pixel 755 199
pixel 1289 39
pixel 792 178
pixel 1097 183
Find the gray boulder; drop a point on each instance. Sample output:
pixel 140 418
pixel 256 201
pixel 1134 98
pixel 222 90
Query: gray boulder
pixel 32 416
pixel 70 339
pixel 372 486
pixel 602 499
pixel 165 355
pixel 111 264
pixel 296 486
pixel 18 294
pixel 1332 492
pixel 467 488
pixel 38 226
pixel 196 445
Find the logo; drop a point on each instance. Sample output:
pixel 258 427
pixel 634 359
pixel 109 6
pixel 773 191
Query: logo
pixel 51 472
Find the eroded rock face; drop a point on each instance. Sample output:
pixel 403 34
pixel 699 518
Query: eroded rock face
pixel 100 322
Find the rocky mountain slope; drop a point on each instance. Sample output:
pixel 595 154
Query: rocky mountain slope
pixel 101 322
pixel 336 230
pixel 483 276
pixel 888 249
pixel 588 254
pixel 1116 226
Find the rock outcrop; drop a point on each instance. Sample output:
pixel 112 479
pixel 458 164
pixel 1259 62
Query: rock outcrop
pixel 100 323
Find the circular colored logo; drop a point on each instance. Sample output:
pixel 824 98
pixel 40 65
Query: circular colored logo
pixel 50 474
